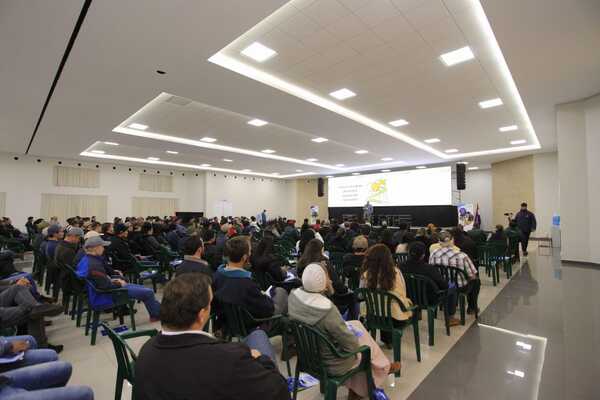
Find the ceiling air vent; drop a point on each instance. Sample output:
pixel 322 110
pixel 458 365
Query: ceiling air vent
pixel 178 100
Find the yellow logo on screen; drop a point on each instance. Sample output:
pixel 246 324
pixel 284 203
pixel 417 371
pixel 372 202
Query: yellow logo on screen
pixel 377 191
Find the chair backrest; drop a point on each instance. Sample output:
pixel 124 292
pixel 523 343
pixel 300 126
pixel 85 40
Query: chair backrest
pixel 309 344
pixel 379 308
pixel 263 279
pixel 453 275
pixel 419 289
pixel 401 258
pixel 237 319
pixel 336 259
pixel 123 353
pixel 125 356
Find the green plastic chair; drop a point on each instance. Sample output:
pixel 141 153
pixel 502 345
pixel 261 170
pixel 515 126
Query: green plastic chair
pixel 379 317
pixel 120 300
pixel 77 294
pixel 309 342
pixel 138 271
pixel 39 266
pixel 486 254
pixel 401 258
pixel 336 259
pixel 460 279
pixel 418 288
pixel 125 356
pixel 239 323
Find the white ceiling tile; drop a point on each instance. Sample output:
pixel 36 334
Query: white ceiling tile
pixel 458 5
pixel 356 4
pixel 441 29
pixel 426 14
pixel 320 40
pixel 326 12
pixel 298 25
pixel 347 27
pixel 301 4
pixel 404 5
pixel 394 29
pixel 376 12
pixel 365 41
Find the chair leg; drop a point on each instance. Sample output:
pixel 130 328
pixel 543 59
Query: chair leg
pixel 447 320
pixel 397 344
pixel 430 322
pixel 461 306
pixel 132 315
pixel 95 322
pixel 415 324
pixel 119 386
pixel 88 321
pixel 330 391
pixel 66 302
pixel 79 310
pixel 296 378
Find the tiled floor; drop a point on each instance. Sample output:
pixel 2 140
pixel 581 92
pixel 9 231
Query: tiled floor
pixel 96 366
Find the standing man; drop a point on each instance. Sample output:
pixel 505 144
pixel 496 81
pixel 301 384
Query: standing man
pixel 527 224
pixel 368 211
pixel 263 217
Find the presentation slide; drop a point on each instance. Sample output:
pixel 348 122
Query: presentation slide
pixel 417 187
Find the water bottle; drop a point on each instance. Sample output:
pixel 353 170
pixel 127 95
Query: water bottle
pixel 555 219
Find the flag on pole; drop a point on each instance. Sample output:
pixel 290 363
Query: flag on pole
pixel 477 222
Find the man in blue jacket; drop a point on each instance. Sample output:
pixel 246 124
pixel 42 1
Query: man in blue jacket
pixel 93 267
pixel 527 224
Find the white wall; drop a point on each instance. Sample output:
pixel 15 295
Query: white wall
pixel 25 180
pixel 479 190
pixel 250 195
pixel 578 134
pixel 546 191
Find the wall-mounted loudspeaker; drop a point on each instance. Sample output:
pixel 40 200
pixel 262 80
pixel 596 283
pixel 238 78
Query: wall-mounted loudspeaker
pixel 320 187
pixel 461 183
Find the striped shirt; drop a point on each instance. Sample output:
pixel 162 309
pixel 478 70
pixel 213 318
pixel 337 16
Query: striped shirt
pixel 450 257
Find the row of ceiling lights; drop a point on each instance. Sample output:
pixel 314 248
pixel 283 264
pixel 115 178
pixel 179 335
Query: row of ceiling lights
pixel 260 53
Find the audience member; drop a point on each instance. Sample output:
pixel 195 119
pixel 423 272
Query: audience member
pixel 311 305
pixel 185 362
pixel 93 266
pixel 193 249
pixel 447 254
pixel 264 260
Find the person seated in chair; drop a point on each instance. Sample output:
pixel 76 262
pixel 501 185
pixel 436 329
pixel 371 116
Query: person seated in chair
pixel 416 265
pixel 19 308
pixel 38 374
pixel 193 249
pixel 185 362
pixel 234 285
pixel 447 254
pixel 310 304
pixel 119 247
pixel 352 262
pixel 93 266
pixel 265 261
pixel 148 243
pixel 65 255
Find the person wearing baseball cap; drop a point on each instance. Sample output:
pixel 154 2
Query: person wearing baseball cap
pixel 119 247
pixel 93 267
pixel 310 305
pixel 65 254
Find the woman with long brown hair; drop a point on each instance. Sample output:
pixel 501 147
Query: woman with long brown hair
pixel 380 272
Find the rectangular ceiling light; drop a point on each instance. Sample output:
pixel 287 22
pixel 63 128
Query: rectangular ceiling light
pixel 339 165
pixel 258 52
pixel 356 173
pixel 153 158
pixel 298 170
pixel 398 122
pixel 508 128
pixel 257 122
pixel 311 159
pixel 473 168
pixel 342 94
pixel 227 160
pixel 319 140
pixel 111 143
pixel 520 141
pixel 137 126
pixel 208 139
pixel 267 151
pixel 421 167
pixel 387 159
pixel 172 152
pixel 432 140
pixel 98 151
pixel 457 56
pixel 385 170
pixel 361 151
pixel 491 103
pixel 205 165
pixel 450 151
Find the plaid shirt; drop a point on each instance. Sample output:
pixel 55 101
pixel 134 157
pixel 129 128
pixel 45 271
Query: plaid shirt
pixel 450 257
